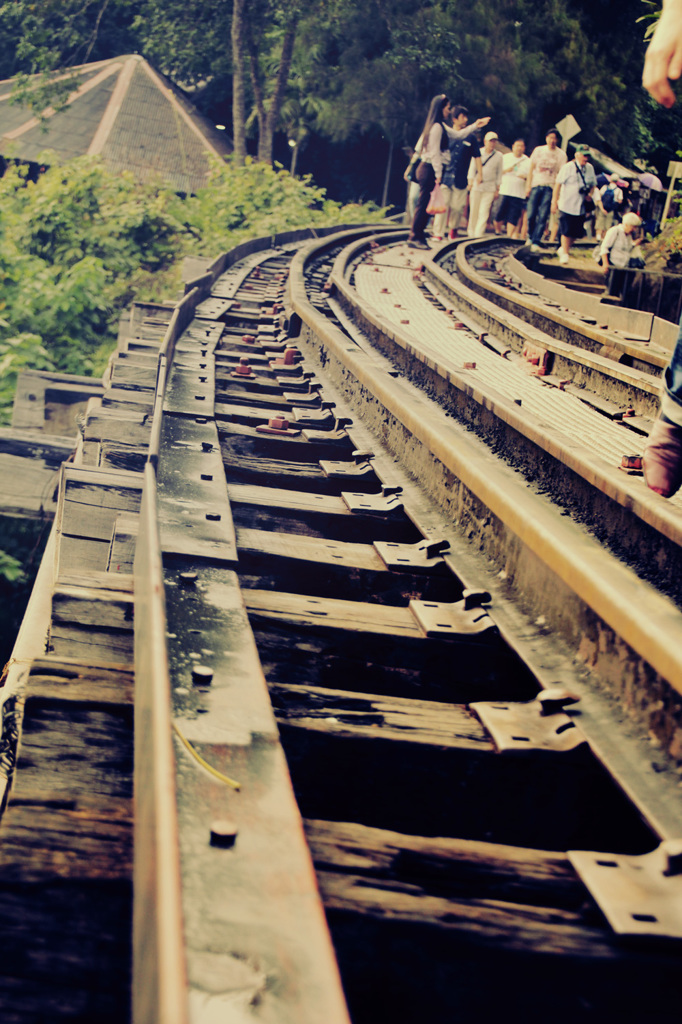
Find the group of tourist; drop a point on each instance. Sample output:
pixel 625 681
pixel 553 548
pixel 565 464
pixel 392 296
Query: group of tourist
pixel 448 154
pixel 530 191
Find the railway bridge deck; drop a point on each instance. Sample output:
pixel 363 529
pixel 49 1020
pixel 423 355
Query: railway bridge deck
pixel 347 586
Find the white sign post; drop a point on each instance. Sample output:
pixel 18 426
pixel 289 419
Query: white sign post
pixel 568 127
pixel 674 172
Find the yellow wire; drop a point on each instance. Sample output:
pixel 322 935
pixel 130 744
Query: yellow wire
pixel 204 764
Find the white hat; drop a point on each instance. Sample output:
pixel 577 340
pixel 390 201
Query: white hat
pixel 632 219
pixel 490 135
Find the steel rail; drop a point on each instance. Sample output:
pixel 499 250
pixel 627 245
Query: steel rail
pixel 620 610
pixel 160 992
pixel 159 962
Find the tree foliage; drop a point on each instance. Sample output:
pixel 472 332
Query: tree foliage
pixel 78 245
pixel 346 69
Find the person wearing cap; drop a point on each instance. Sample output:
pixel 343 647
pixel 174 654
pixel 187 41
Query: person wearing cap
pixel 545 163
pixel 606 211
pixel 575 183
pixel 483 191
pixel 616 249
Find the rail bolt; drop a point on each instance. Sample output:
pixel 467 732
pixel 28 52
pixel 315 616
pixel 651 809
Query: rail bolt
pixel 223 833
pixel 202 675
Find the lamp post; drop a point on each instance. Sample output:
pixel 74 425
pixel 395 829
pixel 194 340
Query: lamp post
pixel 294 156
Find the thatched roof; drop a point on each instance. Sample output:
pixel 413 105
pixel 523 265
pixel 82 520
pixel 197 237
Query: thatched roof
pixel 125 111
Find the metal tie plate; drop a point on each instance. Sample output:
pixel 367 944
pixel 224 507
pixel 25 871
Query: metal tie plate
pixel 424 556
pixel 372 504
pixel 638 896
pixel 456 619
pixel 333 469
pixel 525 727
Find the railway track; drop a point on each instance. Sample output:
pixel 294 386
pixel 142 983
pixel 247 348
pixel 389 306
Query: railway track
pixel 405 649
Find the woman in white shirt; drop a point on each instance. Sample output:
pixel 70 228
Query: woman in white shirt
pixel 434 152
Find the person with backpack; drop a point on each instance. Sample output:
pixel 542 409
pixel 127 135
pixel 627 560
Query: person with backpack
pixel 607 201
pixel 434 153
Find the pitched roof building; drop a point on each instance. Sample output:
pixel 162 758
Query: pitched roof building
pixel 125 111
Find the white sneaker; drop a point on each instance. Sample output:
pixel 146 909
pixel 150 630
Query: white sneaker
pixel 535 248
pixel 563 256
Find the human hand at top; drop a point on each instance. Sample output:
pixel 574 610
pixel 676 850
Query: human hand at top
pixel 482 122
pixel 663 59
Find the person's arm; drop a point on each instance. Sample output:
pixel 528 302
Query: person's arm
pixel 464 133
pixel 529 179
pixel 606 247
pixel 433 150
pixel 478 165
pixel 663 60
pixel 498 173
pixel 555 195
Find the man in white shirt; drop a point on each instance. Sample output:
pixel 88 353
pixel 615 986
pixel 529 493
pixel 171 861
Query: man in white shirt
pixel 484 191
pixel 575 183
pixel 515 168
pixel 616 249
pixel 545 163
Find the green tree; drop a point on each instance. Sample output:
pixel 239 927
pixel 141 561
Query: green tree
pixel 41 38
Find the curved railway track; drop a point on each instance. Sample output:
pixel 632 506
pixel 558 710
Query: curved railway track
pixel 405 642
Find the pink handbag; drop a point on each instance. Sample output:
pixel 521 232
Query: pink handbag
pixel 437 201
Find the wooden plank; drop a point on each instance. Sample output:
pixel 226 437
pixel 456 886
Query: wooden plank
pixel 423 925
pixel 380 664
pixel 30 487
pixel 348 713
pixel 73 751
pixel 92 608
pixel 57 972
pixel 325 568
pixel 228 396
pixel 321 515
pixel 326 613
pixel 137 378
pixel 90 510
pixel 240 440
pixel 100 648
pixel 66 849
pixel 279 498
pixel 361 757
pixel 133 429
pixel 123 543
pixel 310 549
pixel 99 580
pixel 78 683
pixel 129 458
pixel 83 553
pixel 255 470
pixel 447 866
